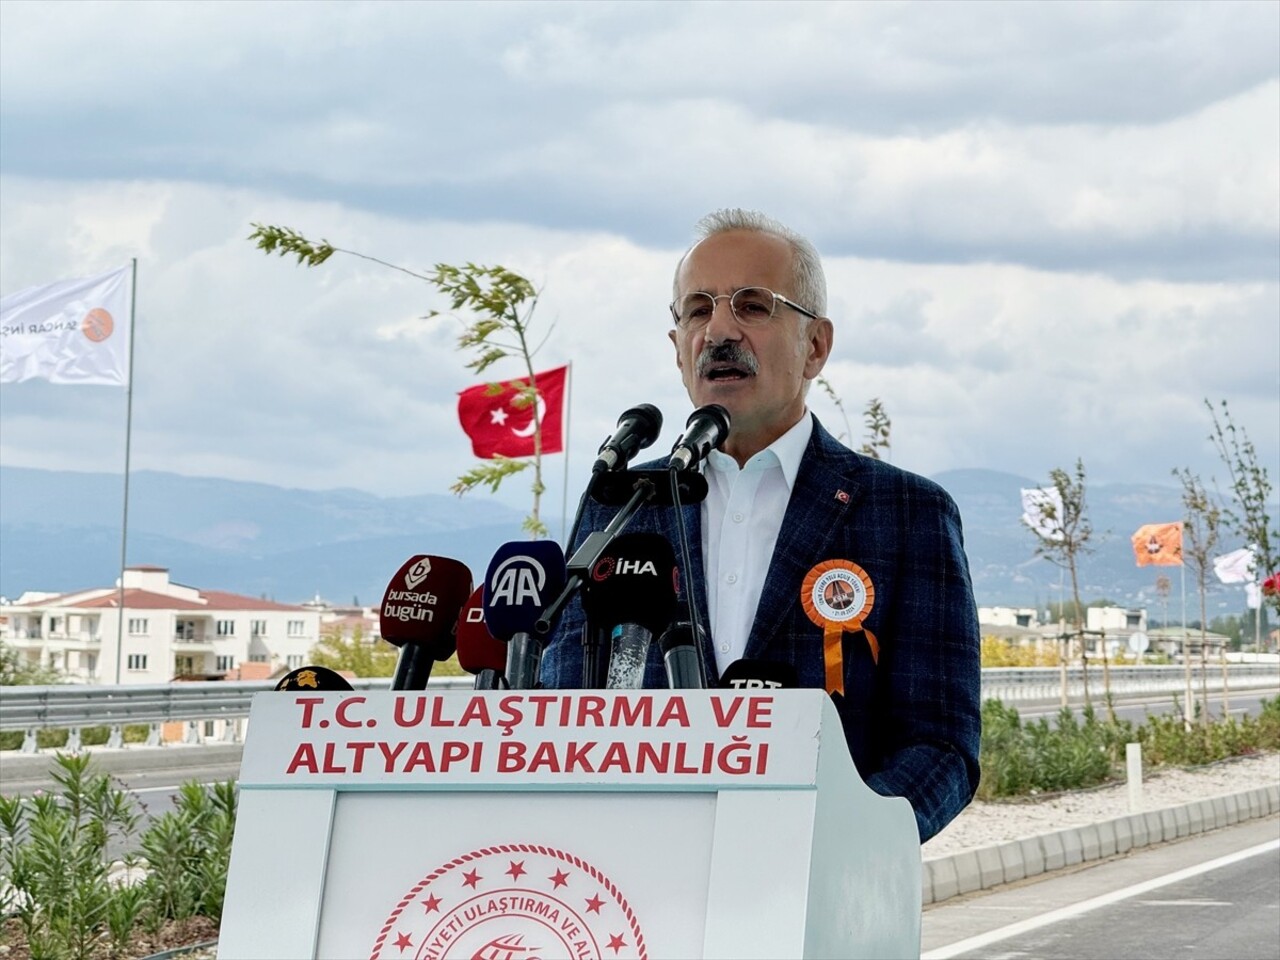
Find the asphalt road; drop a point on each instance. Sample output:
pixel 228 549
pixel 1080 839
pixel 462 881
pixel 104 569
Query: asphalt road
pixel 1210 896
pixel 1136 709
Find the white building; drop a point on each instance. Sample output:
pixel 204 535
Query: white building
pixel 170 631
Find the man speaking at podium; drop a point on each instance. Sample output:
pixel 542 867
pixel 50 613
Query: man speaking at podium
pixel 848 569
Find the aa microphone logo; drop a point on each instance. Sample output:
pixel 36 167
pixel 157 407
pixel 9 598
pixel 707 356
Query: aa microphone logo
pixel 518 580
pixel 417 573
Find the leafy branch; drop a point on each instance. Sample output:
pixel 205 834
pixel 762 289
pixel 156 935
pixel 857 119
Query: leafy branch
pixel 495 307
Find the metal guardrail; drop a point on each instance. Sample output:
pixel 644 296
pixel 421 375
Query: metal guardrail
pixel 1008 684
pixel 72 707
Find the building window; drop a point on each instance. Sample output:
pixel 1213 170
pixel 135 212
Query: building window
pixel 1133 620
pixel 184 630
pixel 296 628
pixel 294 660
pixel 259 658
pixel 226 663
pixel 137 624
pixel 137 661
pixel 226 628
pixel 257 628
pixel 55 625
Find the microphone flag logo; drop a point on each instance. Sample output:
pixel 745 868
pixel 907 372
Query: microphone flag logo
pixel 518 580
pixel 513 901
pixel 417 573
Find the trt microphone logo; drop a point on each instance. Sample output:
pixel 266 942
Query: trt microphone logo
pixel 518 580
pixel 752 683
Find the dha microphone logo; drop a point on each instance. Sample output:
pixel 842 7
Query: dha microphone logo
pixel 417 573
pixel 518 580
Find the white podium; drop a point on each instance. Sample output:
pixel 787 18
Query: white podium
pixel 535 825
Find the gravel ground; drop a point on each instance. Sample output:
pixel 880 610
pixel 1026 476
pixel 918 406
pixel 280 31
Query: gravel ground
pixel 986 823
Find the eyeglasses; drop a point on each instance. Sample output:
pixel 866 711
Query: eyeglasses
pixel 752 306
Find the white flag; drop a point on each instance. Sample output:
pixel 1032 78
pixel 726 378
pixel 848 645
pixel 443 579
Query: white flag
pixel 1042 511
pixel 1235 567
pixel 73 331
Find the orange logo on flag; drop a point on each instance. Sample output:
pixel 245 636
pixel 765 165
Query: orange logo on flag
pixel 97 325
pixel 1158 545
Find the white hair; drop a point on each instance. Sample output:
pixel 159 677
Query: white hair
pixel 806 265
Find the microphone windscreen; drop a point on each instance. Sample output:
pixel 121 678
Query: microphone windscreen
pixel 478 649
pixel 422 602
pixel 759 674
pixel 522 580
pixel 313 678
pixel 634 581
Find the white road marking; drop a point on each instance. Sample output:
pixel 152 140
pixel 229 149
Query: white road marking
pixel 1085 906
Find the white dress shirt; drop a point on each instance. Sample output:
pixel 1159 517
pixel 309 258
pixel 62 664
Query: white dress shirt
pixel 741 519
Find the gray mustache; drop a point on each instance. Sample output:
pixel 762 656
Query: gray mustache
pixel 727 353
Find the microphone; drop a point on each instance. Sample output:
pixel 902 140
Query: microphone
pixel 631 592
pixel 419 615
pixel 313 678
pixel 480 653
pixel 759 675
pixel 680 653
pixel 706 429
pixel 637 428
pixel 522 580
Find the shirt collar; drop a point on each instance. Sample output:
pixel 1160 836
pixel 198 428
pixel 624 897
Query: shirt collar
pixel 787 452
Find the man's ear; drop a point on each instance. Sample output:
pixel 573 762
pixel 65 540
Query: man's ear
pixel 675 343
pixel 818 341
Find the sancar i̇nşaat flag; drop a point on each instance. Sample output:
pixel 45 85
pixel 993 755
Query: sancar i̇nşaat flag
pixel 499 424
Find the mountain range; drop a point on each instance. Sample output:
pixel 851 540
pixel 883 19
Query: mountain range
pixel 60 531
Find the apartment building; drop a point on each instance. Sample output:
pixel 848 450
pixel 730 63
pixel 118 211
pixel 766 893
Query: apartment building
pixel 169 631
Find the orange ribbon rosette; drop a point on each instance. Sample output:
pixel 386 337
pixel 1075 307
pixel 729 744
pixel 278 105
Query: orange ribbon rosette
pixel 837 595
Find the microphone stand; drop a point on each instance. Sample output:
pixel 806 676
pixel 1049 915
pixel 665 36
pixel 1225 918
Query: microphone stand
pixel 691 605
pixel 579 566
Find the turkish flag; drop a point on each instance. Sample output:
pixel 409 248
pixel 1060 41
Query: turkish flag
pixel 497 427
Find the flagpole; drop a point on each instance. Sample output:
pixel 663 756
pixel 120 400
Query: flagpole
pixel 568 413
pixel 1186 653
pixel 128 439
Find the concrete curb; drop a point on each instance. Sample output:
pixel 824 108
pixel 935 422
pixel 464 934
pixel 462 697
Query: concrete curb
pixel 985 867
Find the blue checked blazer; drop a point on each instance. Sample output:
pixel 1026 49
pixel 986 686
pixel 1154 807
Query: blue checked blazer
pixel 912 720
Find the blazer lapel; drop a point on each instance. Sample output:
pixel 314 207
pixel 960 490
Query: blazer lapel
pixel 824 490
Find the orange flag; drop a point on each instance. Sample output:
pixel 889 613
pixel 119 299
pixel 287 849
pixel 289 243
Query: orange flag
pixel 1158 545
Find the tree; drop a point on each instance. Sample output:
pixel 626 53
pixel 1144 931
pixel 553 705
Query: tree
pixel 364 658
pixel 847 436
pixel 878 426
pixel 1251 490
pixel 1062 537
pixel 498 305
pixel 1201 531
pixel 17 671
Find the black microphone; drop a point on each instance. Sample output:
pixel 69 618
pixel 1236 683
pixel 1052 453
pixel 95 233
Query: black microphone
pixel 522 580
pixel 680 653
pixel 759 675
pixel 419 615
pixel 706 429
pixel 631 592
pixel 637 428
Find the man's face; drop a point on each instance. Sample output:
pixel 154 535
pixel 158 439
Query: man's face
pixel 789 350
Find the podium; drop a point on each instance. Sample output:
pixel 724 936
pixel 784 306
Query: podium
pixel 535 825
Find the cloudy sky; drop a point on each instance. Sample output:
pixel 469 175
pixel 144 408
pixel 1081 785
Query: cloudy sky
pixel 1050 230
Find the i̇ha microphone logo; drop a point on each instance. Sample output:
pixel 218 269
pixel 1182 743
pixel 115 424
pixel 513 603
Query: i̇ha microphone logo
pixel 513 902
